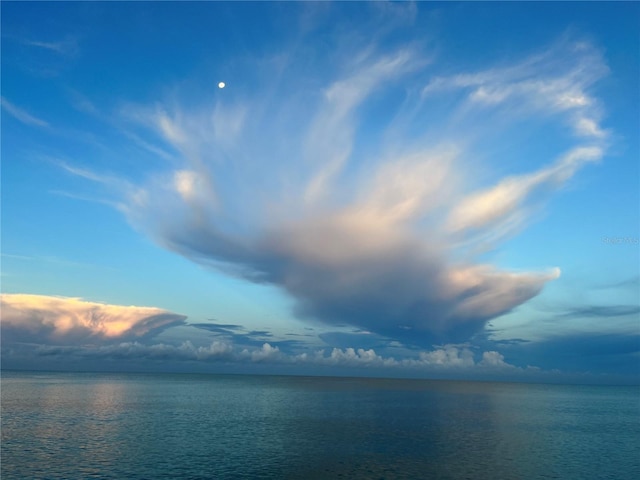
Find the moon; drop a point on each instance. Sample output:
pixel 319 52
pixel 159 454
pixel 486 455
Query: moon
pixel 221 85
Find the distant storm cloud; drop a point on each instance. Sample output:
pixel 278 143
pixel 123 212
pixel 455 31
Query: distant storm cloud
pixel 41 319
pixel 369 216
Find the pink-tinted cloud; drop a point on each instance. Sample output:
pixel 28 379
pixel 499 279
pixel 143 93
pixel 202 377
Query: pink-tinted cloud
pixel 60 320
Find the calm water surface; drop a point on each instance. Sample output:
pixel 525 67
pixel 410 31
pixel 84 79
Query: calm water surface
pixel 154 426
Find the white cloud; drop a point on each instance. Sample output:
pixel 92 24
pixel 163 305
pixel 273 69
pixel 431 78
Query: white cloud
pixel 22 115
pixel 329 141
pixel 451 358
pixel 494 359
pixel 556 81
pixel 185 181
pixel 67 47
pixel 266 353
pixel 588 127
pixel 505 201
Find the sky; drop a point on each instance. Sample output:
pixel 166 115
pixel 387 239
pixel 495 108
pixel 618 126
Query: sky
pixel 430 190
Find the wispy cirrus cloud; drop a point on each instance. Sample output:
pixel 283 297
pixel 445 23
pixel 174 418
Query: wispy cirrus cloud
pixel 39 57
pixel 67 46
pixel 555 80
pixel 502 209
pixel 603 311
pixel 22 115
pixel 371 219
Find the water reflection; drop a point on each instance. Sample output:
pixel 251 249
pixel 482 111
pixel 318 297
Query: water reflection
pixel 198 426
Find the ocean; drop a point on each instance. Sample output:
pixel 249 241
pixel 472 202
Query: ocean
pixel 174 426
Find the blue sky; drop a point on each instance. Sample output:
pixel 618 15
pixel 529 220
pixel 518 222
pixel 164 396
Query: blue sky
pixel 396 189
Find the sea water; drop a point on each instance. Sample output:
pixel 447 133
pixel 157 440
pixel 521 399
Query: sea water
pixel 155 426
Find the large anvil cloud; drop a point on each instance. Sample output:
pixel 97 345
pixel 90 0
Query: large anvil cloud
pixel 378 220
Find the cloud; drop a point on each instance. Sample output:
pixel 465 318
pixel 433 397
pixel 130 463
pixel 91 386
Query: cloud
pixel 61 329
pixel 503 204
pixel 445 358
pixel 602 311
pixel 595 352
pixel 263 354
pixel 22 115
pixel 66 47
pixel 41 319
pixel 629 283
pixel 368 218
pixel 222 328
pixel 239 336
pixel 493 359
pixel 362 339
pixel 334 120
pixel 44 331
pixel 555 80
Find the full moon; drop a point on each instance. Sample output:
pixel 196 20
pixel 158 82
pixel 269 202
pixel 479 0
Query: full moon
pixel 221 85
